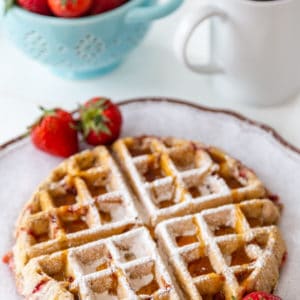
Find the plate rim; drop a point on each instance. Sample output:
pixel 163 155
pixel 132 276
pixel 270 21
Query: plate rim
pixel 234 114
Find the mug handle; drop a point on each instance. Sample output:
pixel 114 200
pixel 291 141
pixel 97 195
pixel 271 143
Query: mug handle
pixel 152 12
pixel 185 32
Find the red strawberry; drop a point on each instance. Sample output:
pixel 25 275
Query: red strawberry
pixel 55 133
pixel 100 121
pixel 69 8
pixel 36 6
pixel 261 296
pixel 100 6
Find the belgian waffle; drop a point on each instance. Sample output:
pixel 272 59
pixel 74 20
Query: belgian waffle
pixel 84 233
pixel 173 177
pixel 225 252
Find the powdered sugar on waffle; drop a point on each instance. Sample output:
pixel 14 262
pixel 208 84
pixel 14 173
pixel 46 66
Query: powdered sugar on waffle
pixel 109 211
pixel 101 269
pixel 170 178
pixel 184 176
pixel 248 257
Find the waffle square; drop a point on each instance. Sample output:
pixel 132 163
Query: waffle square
pixel 225 252
pixel 173 177
pixel 125 266
pixel 83 200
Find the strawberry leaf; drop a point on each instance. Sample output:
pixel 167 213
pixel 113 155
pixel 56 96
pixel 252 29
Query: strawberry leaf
pixel 98 119
pixel 47 112
pixel 105 129
pixel 92 118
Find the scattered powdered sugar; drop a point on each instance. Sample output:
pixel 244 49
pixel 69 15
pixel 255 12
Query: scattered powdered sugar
pixel 105 296
pixel 139 282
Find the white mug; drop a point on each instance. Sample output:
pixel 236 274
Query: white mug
pixel 255 48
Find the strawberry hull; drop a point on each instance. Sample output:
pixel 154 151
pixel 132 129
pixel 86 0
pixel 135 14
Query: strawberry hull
pixel 100 121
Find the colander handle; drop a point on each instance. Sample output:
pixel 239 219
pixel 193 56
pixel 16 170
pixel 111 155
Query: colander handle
pixel 155 11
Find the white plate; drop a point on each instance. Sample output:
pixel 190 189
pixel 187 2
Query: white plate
pixel 22 167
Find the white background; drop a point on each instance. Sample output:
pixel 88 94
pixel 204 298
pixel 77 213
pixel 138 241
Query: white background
pixel 151 70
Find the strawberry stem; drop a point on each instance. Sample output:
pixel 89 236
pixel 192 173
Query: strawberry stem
pixel 25 134
pixel 47 112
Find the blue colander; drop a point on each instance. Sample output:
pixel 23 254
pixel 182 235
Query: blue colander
pixel 84 47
